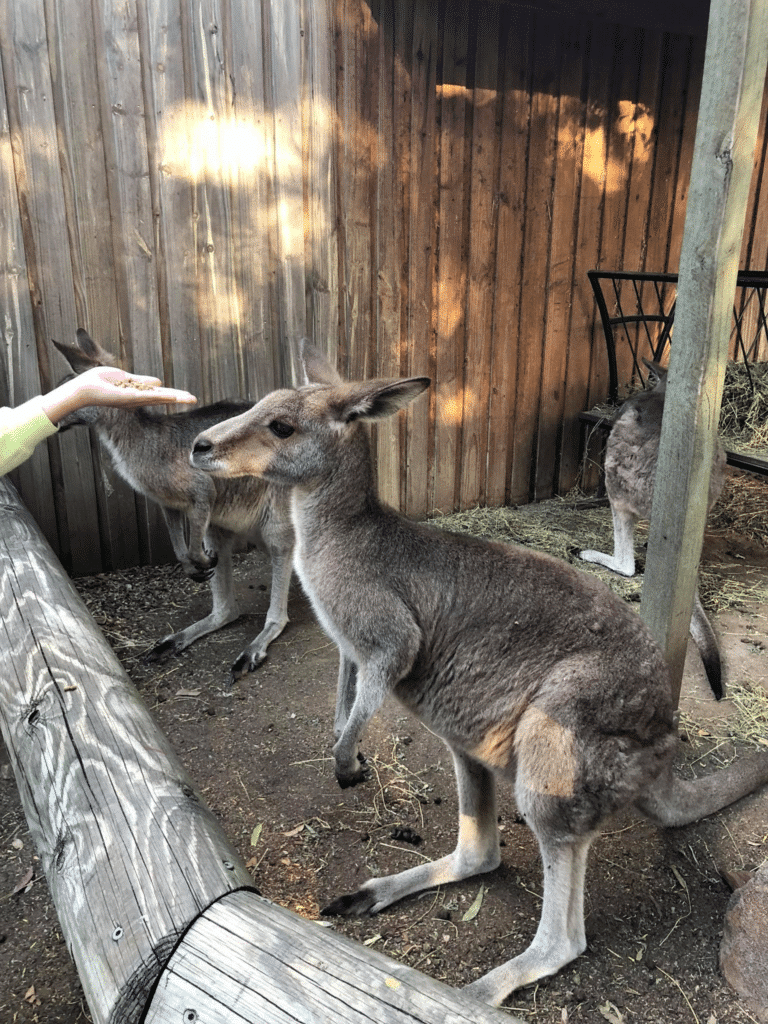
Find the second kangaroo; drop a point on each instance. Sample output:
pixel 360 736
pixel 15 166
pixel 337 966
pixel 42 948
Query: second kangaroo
pixel 526 667
pixel 150 451
pixel 631 455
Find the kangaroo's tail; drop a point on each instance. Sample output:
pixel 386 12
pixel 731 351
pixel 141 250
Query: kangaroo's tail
pixel 706 641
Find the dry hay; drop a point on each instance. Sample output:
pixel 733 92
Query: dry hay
pixel 742 508
pixel 564 526
pixel 744 411
pixel 748 726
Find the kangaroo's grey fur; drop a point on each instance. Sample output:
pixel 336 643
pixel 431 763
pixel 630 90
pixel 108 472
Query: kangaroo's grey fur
pixel 525 666
pixel 150 451
pixel 631 455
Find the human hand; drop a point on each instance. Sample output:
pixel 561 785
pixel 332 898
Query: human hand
pixel 108 385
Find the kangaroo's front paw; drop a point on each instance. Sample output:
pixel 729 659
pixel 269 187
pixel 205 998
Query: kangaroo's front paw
pixel 354 904
pixel 202 568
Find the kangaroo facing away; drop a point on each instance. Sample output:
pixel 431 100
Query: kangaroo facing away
pixel 631 455
pixel 150 451
pixel 526 667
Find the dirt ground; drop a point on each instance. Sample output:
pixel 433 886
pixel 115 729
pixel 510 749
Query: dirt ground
pixel 261 755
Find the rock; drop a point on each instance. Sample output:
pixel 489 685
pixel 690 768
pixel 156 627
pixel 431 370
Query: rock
pixel 743 950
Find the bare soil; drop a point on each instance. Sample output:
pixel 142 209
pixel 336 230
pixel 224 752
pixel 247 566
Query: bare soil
pixel 260 752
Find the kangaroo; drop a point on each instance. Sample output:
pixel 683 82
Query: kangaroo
pixel 630 468
pixel 150 451
pixel 526 667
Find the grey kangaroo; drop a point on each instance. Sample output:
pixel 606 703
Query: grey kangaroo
pixel 150 451
pixel 526 667
pixel 630 468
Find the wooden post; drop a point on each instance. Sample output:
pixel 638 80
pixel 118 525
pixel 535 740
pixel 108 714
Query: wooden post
pixel 156 907
pixel 729 112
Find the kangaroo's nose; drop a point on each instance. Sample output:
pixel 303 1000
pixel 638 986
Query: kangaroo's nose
pixel 202 447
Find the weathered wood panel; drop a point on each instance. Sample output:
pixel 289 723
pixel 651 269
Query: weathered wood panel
pixel 421 186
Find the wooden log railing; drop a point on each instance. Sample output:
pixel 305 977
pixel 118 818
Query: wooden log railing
pixel 156 907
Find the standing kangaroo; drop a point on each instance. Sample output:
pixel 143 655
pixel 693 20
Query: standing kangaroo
pixel 150 451
pixel 525 666
pixel 631 455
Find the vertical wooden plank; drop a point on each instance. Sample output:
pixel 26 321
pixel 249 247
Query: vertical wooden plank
pixel 691 93
pixel 247 141
pixel 454 99
pixel 649 43
pixel 284 69
pixel 176 146
pixel 671 123
pixel 539 187
pixel 720 176
pixel 358 142
pixel 87 210
pixel 624 72
pixel 421 255
pixel 19 375
pixel 390 241
pixel 754 248
pixel 483 190
pixel 322 283
pixel 560 285
pixel 584 335
pixel 24 47
pixel 126 122
pixel 517 27
pixel 209 90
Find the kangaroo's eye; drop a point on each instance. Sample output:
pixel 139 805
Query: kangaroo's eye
pixel 281 430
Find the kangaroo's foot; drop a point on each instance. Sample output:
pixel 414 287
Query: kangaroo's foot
pixel 348 779
pixel 256 651
pixel 170 644
pixel 622 567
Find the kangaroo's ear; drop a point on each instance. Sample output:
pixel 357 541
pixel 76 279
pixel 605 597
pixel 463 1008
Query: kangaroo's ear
pixel 93 350
pixel 658 371
pixel 317 369
pixel 79 360
pixel 376 400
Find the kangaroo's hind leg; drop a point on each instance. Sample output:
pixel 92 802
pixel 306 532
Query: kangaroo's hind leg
pixel 476 851
pixel 560 936
pixel 224 609
pixel 623 558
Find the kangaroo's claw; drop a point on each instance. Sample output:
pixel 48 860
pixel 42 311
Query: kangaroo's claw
pixel 355 904
pixel 168 645
pixel 245 663
pixel 348 779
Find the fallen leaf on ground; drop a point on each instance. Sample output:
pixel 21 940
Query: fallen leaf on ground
pixel 29 876
pixel 474 910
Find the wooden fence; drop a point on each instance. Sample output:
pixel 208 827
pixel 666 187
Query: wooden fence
pixel 420 186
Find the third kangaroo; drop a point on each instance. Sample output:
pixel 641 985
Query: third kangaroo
pixel 525 666
pixel 631 455
pixel 150 450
